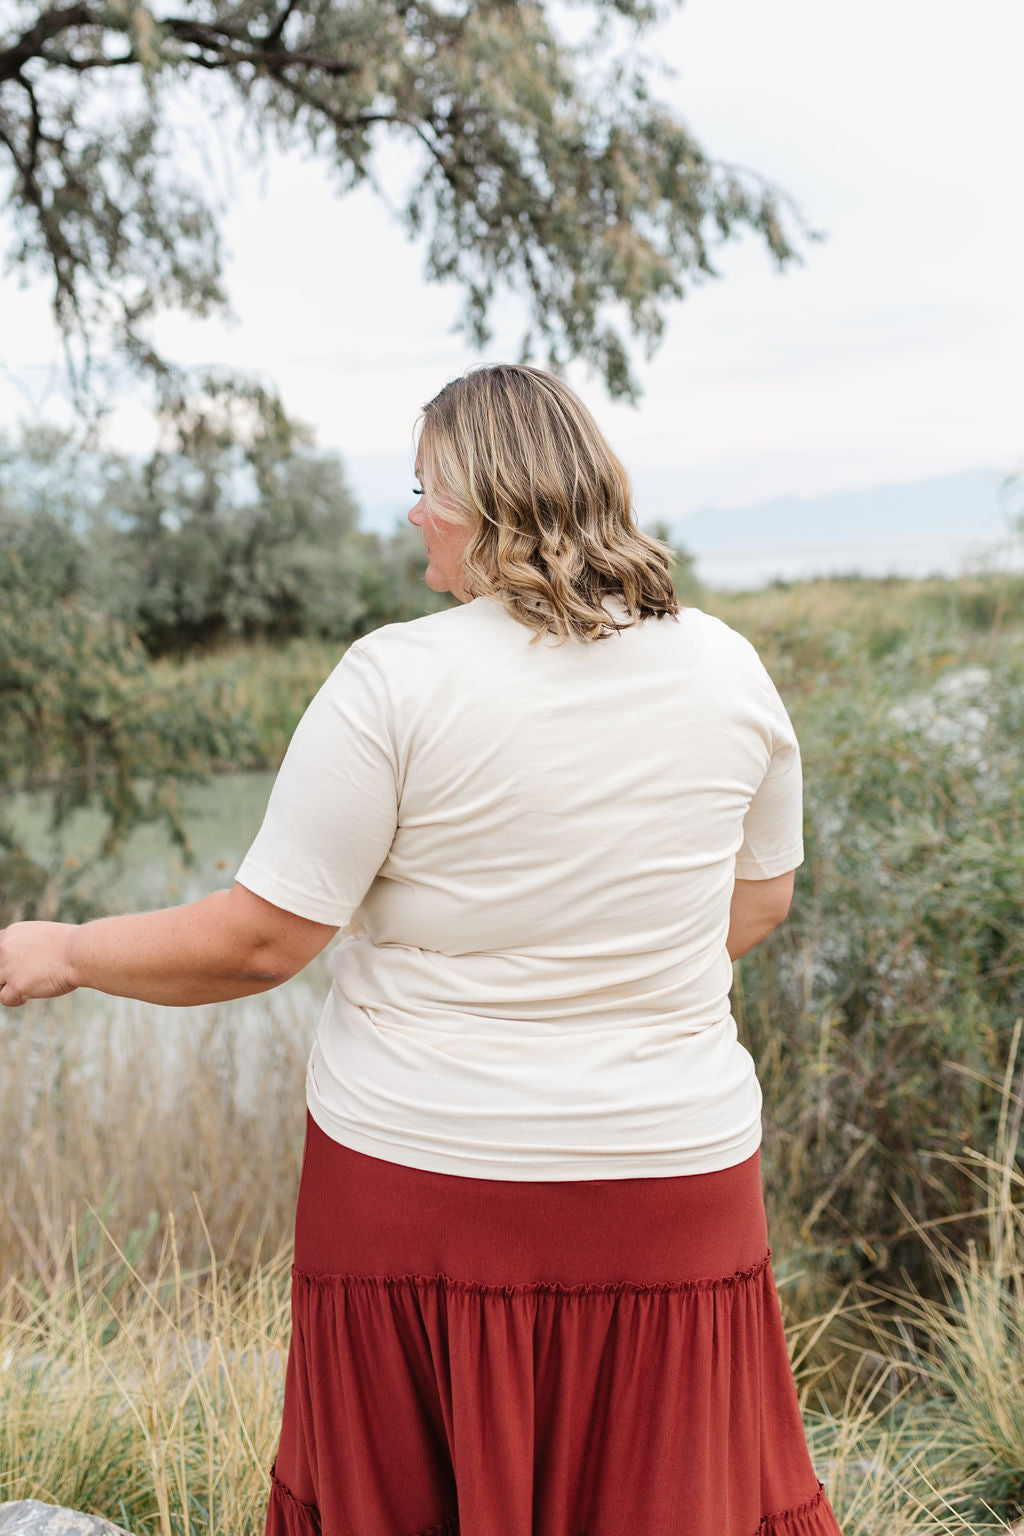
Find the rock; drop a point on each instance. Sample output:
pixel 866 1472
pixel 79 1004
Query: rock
pixel 28 1517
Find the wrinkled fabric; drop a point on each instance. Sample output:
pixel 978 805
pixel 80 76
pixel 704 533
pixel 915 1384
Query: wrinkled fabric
pixel 485 1358
pixel 532 849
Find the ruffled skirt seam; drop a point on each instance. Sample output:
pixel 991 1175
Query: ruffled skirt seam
pixel 779 1524
pixel 448 1527
pixel 452 1286
pixel 306 1512
pixel 783 1523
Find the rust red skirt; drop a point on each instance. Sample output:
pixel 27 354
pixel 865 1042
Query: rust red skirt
pixel 478 1357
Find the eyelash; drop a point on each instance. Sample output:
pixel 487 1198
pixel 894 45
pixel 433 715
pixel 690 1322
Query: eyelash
pixel 417 490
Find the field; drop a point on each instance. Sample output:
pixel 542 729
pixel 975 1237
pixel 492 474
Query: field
pixel 150 1157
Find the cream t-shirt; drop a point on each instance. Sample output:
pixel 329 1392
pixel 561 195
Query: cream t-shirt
pixel 533 848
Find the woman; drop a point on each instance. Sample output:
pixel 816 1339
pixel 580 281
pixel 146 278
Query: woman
pixel 532 1289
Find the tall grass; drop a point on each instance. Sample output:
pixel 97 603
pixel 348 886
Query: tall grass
pixel 138 1112
pixel 964 1347
pixel 151 1398
pixel 149 1390
pixel 269 686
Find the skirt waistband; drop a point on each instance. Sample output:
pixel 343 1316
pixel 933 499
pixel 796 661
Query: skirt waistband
pixel 364 1218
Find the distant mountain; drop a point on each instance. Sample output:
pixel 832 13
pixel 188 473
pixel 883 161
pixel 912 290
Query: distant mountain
pixel 965 504
pixel 917 528
pixel 935 526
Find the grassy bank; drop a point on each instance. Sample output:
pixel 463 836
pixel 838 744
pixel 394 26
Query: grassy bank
pixel 806 632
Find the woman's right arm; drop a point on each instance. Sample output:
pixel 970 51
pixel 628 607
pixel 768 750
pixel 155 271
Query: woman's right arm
pixel 757 907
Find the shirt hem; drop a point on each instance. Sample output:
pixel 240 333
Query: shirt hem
pixel 273 889
pixel 662 1165
pixel 768 869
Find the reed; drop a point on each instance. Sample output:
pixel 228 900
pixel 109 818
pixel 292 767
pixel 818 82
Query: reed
pixel 123 1113
pixel 146 1392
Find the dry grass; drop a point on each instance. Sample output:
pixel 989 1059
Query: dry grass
pixel 150 1164
pixel 142 1112
pixel 154 1398
pixel 141 1355
pixel 155 1402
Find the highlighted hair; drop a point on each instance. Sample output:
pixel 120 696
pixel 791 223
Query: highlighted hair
pixel 512 453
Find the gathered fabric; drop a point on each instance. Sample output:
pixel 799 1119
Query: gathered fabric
pixel 476 1357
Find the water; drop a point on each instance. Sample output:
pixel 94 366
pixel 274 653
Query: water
pixel 745 569
pixel 221 818
pixel 747 566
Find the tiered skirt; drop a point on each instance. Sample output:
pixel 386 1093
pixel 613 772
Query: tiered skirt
pixel 475 1357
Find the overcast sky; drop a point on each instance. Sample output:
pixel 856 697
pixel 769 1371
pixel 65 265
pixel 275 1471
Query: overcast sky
pixel 896 353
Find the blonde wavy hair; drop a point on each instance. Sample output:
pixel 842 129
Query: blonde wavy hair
pixel 512 453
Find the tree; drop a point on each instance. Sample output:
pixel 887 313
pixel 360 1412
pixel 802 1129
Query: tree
pixel 85 721
pixel 44 480
pixel 237 529
pixel 233 527
pixel 545 167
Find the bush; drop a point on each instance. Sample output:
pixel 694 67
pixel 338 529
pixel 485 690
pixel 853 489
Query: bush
pixel 86 723
pixel 884 1008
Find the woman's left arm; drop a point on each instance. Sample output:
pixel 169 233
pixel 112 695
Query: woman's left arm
pixel 226 945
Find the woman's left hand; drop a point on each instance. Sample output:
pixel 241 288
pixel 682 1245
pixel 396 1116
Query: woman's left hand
pixel 34 962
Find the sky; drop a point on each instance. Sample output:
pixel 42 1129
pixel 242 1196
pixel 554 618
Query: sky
pixel 894 354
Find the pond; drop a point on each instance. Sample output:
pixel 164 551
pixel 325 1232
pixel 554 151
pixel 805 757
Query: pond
pixel 93 1036
pixel 221 817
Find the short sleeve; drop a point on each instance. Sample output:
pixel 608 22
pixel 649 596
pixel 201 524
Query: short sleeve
pixel 333 810
pixel 773 826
